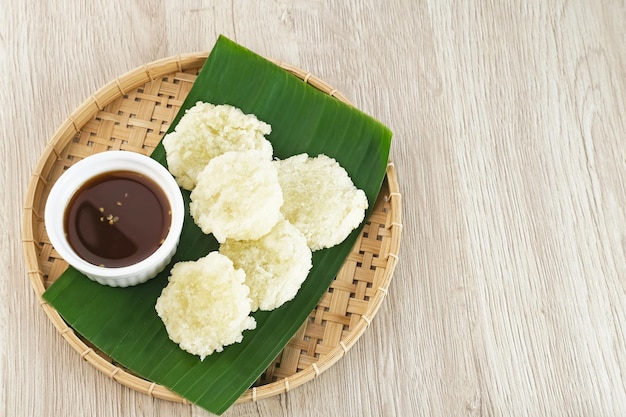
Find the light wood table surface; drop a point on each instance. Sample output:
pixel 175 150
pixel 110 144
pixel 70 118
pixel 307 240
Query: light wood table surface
pixel 509 126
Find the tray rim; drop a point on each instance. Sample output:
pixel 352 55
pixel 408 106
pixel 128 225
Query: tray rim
pixel 66 131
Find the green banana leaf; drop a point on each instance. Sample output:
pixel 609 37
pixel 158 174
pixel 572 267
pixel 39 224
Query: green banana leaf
pixel 122 322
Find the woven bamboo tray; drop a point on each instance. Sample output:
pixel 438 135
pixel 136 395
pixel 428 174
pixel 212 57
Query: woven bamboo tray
pixel 132 113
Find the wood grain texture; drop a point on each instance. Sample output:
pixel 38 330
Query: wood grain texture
pixel 508 117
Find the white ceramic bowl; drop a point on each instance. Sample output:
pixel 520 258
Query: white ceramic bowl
pixel 94 165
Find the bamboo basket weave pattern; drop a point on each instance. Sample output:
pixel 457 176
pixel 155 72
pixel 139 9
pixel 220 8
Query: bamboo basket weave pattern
pixel 132 113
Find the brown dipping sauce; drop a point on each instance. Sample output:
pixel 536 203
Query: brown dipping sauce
pixel 117 219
